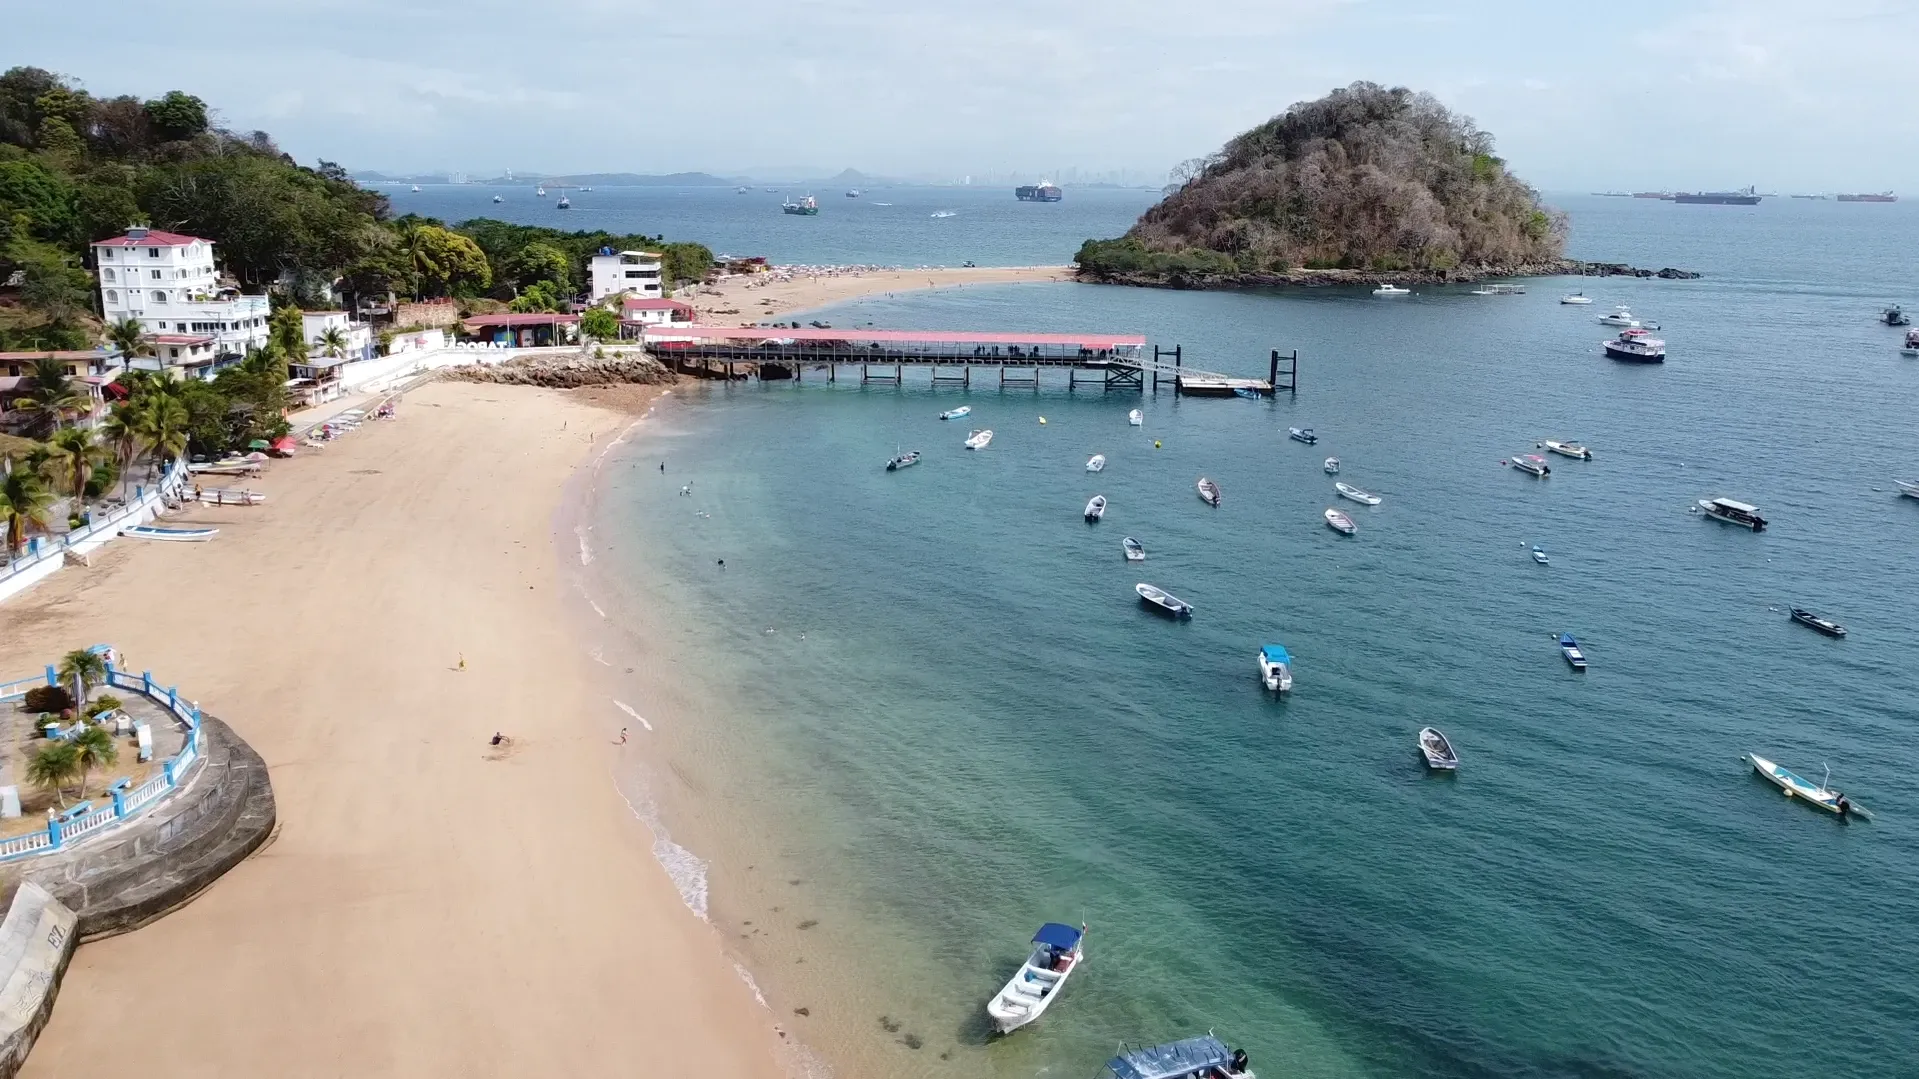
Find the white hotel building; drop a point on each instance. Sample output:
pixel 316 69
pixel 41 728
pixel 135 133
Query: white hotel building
pixel 634 272
pixel 168 283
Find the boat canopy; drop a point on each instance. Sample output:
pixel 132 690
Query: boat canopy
pixel 1055 935
pixel 1727 503
pixel 1276 653
pixel 1171 1060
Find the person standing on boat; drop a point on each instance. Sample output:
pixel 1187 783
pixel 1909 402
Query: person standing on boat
pixel 1844 807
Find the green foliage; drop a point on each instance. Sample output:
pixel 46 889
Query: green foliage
pixel 130 338
pixel 53 767
pixel 90 667
pixel 541 261
pixel 541 297
pixel 1128 255
pixel 600 324
pixel 444 262
pixel 105 702
pixel 47 699
pixel 177 116
pixel 333 342
pixel 77 452
pixel 43 196
pixel 286 331
pixel 93 748
pixel 505 244
pixel 52 395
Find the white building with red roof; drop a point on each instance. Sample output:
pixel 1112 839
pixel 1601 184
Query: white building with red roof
pixel 168 283
pixel 636 311
pixel 636 273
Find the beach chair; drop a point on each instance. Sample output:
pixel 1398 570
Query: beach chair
pixel 144 734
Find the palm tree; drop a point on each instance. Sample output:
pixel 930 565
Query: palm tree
pixel 56 765
pixel 130 338
pixel 51 394
pixel 85 667
pixel 93 748
pixel 77 451
pixel 163 427
pixel 333 343
pixel 121 430
pixel 24 500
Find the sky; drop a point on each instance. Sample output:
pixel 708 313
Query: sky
pixel 1633 94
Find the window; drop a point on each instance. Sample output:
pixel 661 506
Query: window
pixel 113 297
pixel 106 252
pixel 159 296
pixel 153 252
pixel 106 273
pixel 156 274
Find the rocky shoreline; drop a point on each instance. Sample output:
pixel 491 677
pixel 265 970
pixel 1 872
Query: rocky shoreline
pixel 1320 278
pixel 622 368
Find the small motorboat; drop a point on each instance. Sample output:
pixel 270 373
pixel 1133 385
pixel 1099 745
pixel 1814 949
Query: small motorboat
pixel 1575 656
pixel 1500 290
pixel 1822 796
pixel 1095 509
pixel 1340 523
pixel 1909 488
pixel 1824 625
pixel 1437 750
pixel 1247 392
pixel 1347 490
pixel 1163 601
pixel 1911 347
pixel 911 457
pixel 1208 491
pixel 498 198
pixel 1276 668
pixel 1392 290
pixel 1302 434
pixel 1056 955
pixel 1532 463
pixel 1578 299
pixel 1135 550
pixel 176 535
pixel 1620 316
pixel 956 413
pixel 1737 513
pixel 1635 345
pixel 1332 466
pixel 1539 555
pixel 1569 449
pixel 1194 1058
pixel 1135 417
pixel 1096 462
pixel 979 440
pixel 1891 316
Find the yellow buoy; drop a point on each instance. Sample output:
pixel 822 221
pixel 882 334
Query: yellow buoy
pixel 1156 443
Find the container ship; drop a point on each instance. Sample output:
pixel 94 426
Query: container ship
pixel 1719 198
pixel 1039 192
pixel 1883 196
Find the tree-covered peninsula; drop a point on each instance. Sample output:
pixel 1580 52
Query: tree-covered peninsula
pixel 1366 183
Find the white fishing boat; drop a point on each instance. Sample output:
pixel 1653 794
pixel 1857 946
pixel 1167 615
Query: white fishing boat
pixel 1794 786
pixel 1276 668
pixel 956 413
pixel 904 460
pixel 1569 649
pixel 540 191
pixel 1332 466
pixel 1619 316
pixel 1057 950
pixel 1635 345
pixel 1737 513
pixel 1347 490
pixel 1302 434
pixel 1569 449
pixel 1208 491
pixel 1096 462
pixel 416 189
pixel 1532 463
pixel 1134 549
pixel 1194 1058
pixel 1163 601
pixel 1392 290
pixel 1577 299
pixel 1911 347
pixel 1500 290
pixel 1095 509
pixel 1135 417
pixel 173 535
pixel 1340 523
pixel 1909 488
pixel 1539 555
pixel 979 440
pixel 1437 750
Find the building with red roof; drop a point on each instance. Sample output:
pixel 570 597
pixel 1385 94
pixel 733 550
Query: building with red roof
pixel 636 311
pixel 167 282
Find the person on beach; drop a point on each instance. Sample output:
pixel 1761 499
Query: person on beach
pixel 622 735
pixel 463 661
pixel 662 468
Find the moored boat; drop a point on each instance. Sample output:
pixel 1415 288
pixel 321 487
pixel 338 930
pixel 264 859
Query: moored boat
pixel 1575 655
pixel 1909 488
pixel 1135 417
pixel 1539 555
pixel 911 457
pixel 1893 316
pixel 1340 523
pixel 1276 668
pixel 1795 786
pixel 1163 601
pixel 1636 346
pixel 1096 462
pixel 1194 1058
pixel 979 440
pixel 1577 299
pixel 1057 950
pixel 1437 750
pixel 1302 434
pixel 1824 625
pixel 1347 490
pixel 956 413
pixel 1208 491
pixel 1095 509
pixel 1619 316
pixel 1532 463
pixel 1569 449
pixel 1737 513
pixel 1135 550
pixel 1392 290
pixel 1332 466
pixel 1911 347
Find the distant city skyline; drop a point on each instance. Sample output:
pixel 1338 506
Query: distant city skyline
pixel 1719 93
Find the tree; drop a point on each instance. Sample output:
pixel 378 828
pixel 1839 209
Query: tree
pixel 446 261
pixel 24 502
pixel 163 422
pixel 52 395
pixel 130 338
pixel 53 767
pixel 84 667
pixel 540 261
pixel 333 343
pixel 177 117
pixel 600 324
pixel 542 296
pixel 77 452
pixel 286 330
pixel 93 748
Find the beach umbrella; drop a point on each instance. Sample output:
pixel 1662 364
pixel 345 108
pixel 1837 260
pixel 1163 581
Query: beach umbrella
pixel 284 445
pixel 258 444
pixel 257 457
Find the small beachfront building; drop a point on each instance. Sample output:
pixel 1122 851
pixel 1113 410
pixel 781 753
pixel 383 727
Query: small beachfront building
pixel 359 336
pixel 93 372
pixel 636 312
pixel 167 282
pixel 637 273
pixel 532 329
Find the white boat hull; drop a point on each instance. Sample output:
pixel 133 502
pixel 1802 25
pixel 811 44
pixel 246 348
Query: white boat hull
pixel 1795 786
pixel 1135 417
pixel 979 440
pixel 1347 490
pixel 1031 991
pixel 1097 463
pixel 1277 677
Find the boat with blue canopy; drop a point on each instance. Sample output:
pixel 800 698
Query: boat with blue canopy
pixel 1195 1058
pixel 1276 668
pixel 1056 955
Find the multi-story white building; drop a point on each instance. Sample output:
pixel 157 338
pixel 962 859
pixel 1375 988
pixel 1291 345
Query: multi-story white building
pixel 359 336
pixel 635 272
pixel 168 283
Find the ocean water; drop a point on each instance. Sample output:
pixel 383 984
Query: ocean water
pixel 916 714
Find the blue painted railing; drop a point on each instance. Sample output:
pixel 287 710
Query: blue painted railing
pixel 42 548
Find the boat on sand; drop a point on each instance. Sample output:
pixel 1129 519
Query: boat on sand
pixel 1056 955
pixel 175 535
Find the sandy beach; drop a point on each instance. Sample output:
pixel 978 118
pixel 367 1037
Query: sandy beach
pixel 431 905
pixel 751 299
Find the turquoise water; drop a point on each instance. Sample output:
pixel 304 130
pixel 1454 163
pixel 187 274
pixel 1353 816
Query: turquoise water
pixel 932 700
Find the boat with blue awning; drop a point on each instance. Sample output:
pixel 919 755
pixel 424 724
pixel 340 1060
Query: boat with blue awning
pixel 1195 1058
pixel 1276 668
pixel 1056 955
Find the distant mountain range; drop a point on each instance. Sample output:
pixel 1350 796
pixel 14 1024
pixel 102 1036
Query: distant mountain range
pixel 589 179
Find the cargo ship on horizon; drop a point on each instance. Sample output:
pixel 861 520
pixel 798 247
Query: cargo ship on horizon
pixel 1883 196
pixel 1044 191
pixel 1747 197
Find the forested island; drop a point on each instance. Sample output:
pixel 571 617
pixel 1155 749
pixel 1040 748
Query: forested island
pixel 1365 184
